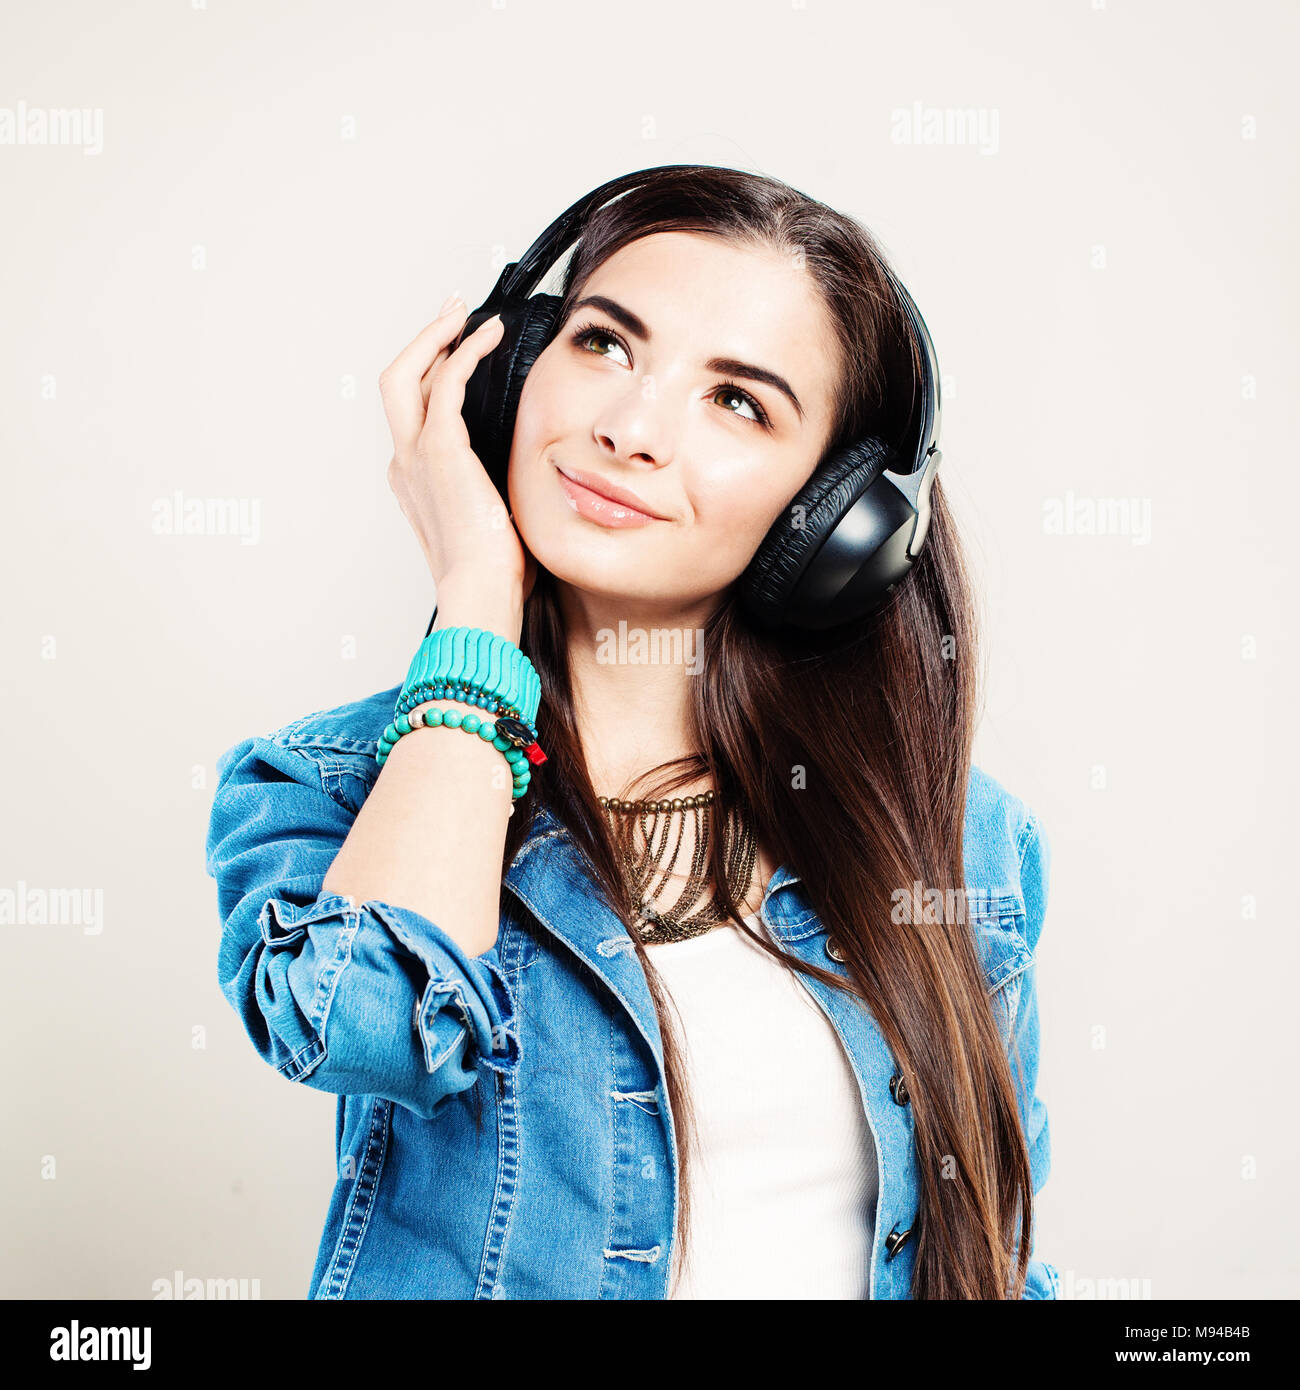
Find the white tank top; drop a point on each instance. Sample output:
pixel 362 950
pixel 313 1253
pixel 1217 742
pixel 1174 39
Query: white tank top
pixel 785 1180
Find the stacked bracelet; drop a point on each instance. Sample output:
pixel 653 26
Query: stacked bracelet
pixel 472 664
pixel 506 734
pixel 476 667
pixel 424 691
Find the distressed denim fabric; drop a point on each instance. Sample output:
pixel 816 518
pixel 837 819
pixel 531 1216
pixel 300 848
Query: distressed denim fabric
pixel 568 1189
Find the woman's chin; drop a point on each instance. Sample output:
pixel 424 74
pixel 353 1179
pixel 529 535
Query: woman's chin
pixel 597 580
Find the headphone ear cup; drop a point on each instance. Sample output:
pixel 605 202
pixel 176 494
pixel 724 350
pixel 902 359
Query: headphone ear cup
pixel 493 390
pixel 795 537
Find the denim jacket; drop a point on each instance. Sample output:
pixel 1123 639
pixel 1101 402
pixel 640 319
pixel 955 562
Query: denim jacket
pixel 568 1187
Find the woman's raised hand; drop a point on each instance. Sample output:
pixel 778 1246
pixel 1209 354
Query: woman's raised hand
pixel 459 518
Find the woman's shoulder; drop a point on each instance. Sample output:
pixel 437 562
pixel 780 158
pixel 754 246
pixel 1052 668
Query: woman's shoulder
pixel 1005 850
pixel 353 727
pixel 994 811
pixel 332 749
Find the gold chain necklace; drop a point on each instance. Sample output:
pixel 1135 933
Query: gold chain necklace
pixel 740 850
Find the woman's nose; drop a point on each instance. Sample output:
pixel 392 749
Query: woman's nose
pixel 637 427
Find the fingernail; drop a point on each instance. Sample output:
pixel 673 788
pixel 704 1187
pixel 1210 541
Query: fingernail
pixel 447 303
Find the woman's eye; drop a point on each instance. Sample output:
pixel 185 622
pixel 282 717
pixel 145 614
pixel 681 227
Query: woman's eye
pixel 588 336
pixel 730 393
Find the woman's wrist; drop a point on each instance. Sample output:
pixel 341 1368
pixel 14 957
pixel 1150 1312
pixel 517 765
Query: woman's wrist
pixel 465 601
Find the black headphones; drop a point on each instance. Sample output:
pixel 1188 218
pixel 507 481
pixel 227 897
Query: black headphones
pixel 845 540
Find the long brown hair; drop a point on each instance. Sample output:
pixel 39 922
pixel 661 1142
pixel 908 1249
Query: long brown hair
pixel 879 758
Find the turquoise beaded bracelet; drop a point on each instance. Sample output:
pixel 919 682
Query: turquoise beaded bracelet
pixel 475 665
pixel 511 746
pixel 424 691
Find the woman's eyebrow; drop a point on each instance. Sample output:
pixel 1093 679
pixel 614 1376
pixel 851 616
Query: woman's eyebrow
pixel 729 366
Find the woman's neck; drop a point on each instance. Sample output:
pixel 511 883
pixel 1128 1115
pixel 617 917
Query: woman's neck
pixel 634 712
pixel 631 668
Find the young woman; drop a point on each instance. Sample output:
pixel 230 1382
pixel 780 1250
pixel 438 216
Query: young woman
pixel 689 1025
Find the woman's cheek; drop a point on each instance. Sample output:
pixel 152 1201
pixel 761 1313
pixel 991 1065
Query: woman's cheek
pixel 734 513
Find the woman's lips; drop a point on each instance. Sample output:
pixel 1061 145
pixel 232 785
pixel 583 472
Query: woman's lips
pixel 616 515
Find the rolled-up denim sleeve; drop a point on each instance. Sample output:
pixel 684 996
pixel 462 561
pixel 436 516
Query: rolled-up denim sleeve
pixel 1035 862
pixel 369 998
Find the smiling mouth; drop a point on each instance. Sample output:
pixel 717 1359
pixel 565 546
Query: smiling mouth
pixel 605 511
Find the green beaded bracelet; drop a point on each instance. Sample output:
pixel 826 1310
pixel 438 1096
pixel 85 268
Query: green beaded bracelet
pixel 521 773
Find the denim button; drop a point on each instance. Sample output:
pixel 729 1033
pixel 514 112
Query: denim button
pixel 898 1089
pixel 832 950
pixel 895 1241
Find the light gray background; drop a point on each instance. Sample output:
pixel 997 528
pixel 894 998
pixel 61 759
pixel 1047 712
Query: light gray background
pixel 283 196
